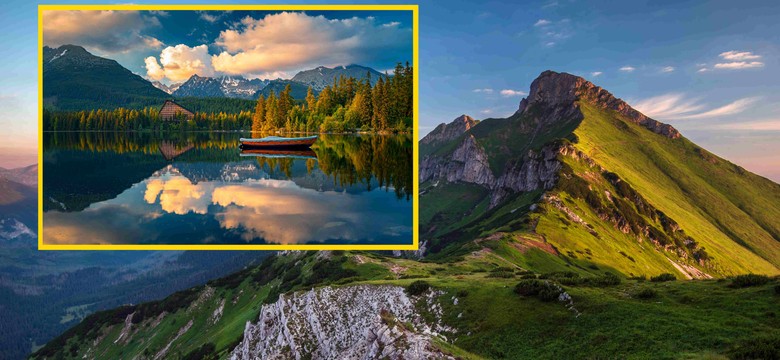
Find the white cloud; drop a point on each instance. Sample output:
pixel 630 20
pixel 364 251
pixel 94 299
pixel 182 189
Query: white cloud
pixel 667 69
pixel 486 111
pixel 550 44
pixel 510 92
pixel 485 90
pixel 732 108
pixel 542 22
pixel 677 106
pixel 103 31
pixel 160 13
pixel 178 63
pixel 288 41
pixel 627 68
pixel 735 60
pixel 736 65
pixel 391 24
pixel 209 17
pixel 667 106
pixel 596 73
pixel 735 55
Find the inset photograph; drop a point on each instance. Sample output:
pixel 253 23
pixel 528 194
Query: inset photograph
pixel 223 129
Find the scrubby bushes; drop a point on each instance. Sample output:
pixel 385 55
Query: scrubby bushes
pixel 646 293
pixel 757 348
pixel 741 281
pixel 417 288
pixel 542 289
pixel 574 279
pixel 502 272
pixel 663 277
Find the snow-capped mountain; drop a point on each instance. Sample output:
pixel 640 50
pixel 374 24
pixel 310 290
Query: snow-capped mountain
pixel 224 86
pixel 170 89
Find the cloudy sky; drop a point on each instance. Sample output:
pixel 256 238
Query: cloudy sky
pixel 710 69
pixel 171 46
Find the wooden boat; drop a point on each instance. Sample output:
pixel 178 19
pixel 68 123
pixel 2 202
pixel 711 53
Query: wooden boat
pixel 278 142
pixel 280 153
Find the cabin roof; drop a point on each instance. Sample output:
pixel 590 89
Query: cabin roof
pixel 174 103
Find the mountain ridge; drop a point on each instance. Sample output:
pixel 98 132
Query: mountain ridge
pixel 568 128
pixel 222 86
pixel 73 78
pixel 321 76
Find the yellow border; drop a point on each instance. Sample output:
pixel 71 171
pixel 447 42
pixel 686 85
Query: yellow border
pixel 415 154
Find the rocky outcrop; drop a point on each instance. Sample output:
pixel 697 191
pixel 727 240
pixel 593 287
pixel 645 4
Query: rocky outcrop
pixel 353 322
pixel 560 91
pixel 468 163
pixel 446 132
pixel 536 170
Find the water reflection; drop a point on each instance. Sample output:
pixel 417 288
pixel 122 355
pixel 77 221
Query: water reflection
pixel 190 188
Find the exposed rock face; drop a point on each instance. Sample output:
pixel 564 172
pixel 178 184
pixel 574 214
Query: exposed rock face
pixel 468 163
pixel 559 91
pixel 537 170
pixel 353 322
pixel 445 132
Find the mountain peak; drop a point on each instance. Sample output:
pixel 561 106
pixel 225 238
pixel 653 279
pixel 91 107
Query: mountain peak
pixel 561 91
pixel 445 132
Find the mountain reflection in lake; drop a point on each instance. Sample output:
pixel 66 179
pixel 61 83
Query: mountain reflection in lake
pixel 199 188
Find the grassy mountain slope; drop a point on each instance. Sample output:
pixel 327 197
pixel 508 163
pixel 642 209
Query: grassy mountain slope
pixel 722 318
pixel 729 211
pixel 626 197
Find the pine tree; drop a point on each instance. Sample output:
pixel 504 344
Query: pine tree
pixel 270 112
pixel 311 100
pixel 259 117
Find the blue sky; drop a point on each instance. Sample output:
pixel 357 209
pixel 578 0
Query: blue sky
pixel 710 69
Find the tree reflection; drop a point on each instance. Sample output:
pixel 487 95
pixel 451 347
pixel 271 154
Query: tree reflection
pixel 347 160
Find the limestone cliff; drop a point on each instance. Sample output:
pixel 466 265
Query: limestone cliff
pixel 352 322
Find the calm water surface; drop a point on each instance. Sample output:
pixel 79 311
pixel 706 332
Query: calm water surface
pixel 199 188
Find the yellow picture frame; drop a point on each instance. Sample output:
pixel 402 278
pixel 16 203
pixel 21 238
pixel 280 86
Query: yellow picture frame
pixel 415 153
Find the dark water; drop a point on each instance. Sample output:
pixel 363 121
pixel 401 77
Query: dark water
pixel 199 188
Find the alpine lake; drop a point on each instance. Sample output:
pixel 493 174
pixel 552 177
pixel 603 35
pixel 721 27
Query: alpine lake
pixel 200 188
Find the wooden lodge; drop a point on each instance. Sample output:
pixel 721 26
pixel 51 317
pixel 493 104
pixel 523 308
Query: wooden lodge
pixel 173 111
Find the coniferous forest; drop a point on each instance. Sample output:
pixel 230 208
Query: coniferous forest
pixel 349 105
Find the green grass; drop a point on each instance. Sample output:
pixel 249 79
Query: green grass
pixel 684 319
pixel 734 214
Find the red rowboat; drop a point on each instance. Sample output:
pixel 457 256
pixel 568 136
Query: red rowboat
pixel 278 142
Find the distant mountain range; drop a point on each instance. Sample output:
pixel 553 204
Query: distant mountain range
pixel 167 88
pixel 298 90
pixel 45 292
pixel 320 77
pixel 224 86
pixel 74 79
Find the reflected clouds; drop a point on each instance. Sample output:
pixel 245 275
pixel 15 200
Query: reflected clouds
pixel 252 211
